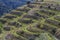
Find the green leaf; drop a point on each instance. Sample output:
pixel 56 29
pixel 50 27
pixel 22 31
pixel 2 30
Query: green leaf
pixel 45 36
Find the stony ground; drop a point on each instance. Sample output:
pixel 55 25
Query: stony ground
pixel 38 21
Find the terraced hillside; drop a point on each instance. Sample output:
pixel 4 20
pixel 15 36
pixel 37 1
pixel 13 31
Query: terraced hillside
pixel 38 21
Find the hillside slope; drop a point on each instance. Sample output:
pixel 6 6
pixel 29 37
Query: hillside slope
pixel 38 21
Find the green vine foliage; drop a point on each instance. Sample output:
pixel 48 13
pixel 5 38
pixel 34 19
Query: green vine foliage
pixel 45 36
pixel 1 27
